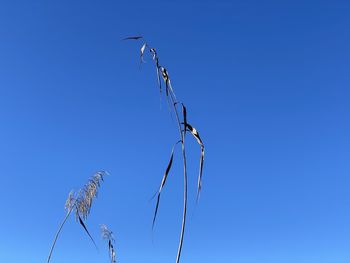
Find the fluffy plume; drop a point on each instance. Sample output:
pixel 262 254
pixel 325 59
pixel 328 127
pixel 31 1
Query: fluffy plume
pixel 80 203
pixel 88 194
pixel 108 236
pixel 70 202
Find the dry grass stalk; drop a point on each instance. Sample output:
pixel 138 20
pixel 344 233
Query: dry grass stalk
pixel 183 126
pixel 108 236
pixel 80 203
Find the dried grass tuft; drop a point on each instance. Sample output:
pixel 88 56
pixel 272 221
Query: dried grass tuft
pixel 81 203
pixel 108 236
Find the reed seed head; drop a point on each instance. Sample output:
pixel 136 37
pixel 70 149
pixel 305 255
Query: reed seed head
pixel 87 194
pixel 108 236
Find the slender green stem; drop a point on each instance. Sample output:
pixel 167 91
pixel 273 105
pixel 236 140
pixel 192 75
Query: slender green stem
pixel 58 233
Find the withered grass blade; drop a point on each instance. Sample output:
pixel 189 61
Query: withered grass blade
pixel 195 133
pixel 80 202
pixel 158 68
pixel 199 184
pixel 184 114
pixel 165 176
pixel 154 53
pixel 171 89
pixel 133 38
pixel 159 82
pixel 183 128
pixel 165 78
pixel 142 52
pixel 87 231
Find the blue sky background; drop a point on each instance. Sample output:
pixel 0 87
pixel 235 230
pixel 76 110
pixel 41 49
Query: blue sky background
pixel 265 82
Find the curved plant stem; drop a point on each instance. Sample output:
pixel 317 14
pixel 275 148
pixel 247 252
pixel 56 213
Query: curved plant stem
pixel 170 94
pixel 184 204
pixel 182 135
pixel 58 233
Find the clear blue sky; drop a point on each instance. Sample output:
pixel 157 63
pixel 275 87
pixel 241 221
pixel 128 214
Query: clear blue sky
pixel 265 82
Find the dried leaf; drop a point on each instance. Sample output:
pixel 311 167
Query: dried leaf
pixel 142 51
pixel 168 87
pixel 184 114
pixel 199 184
pixel 133 38
pixel 159 82
pixel 154 53
pixel 155 58
pixel 165 176
pixel 165 78
pixel 86 230
pixel 164 74
pixel 171 89
pixel 195 133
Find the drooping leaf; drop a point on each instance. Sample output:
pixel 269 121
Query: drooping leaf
pixel 168 87
pixel 199 183
pixel 159 82
pixel 165 78
pixel 133 38
pixel 171 89
pixel 165 176
pixel 86 230
pixel 158 74
pixel 154 53
pixel 195 133
pixel 155 58
pixel 142 51
pixel 164 74
pixel 184 114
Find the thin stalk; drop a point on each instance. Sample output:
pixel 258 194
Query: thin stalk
pixel 182 135
pixel 184 204
pixel 58 233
